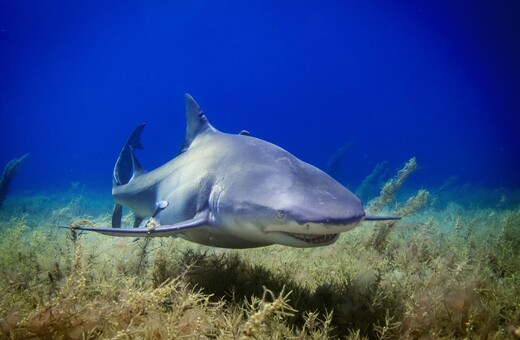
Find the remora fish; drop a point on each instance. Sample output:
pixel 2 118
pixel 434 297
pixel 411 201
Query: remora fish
pixel 230 191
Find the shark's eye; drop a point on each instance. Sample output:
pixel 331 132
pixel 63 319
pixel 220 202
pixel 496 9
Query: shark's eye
pixel 280 213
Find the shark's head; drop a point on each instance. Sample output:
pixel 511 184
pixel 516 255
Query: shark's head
pixel 292 203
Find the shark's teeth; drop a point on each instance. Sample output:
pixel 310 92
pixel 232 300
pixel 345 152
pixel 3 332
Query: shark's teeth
pixel 314 239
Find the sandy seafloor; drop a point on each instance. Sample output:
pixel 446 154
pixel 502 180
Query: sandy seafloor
pixel 449 269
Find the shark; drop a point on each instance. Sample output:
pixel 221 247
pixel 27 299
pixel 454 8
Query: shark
pixel 230 191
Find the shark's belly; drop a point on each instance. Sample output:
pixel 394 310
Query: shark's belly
pixel 216 237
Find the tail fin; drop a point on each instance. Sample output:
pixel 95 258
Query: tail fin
pixel 125 162
pixel 126 165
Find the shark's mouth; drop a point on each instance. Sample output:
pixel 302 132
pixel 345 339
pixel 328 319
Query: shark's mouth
pixel 314 239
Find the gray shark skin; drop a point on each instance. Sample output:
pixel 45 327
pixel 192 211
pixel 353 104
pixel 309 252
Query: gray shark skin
pixel 231 191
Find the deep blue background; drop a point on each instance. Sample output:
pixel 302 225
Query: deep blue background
pixel 438 80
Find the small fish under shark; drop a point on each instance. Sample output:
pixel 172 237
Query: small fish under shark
pixel 230 191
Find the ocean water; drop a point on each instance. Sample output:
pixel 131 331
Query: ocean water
pixel 343 85
pixel 436 81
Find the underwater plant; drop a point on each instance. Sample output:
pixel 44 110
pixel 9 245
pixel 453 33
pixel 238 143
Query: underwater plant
pixel 367 184
pixel 335 162
pixel 391 187
pixel 443 272
pixel 387 197
pixel 9 173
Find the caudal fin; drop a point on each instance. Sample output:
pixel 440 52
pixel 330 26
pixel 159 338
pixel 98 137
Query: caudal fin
pixel 126 166
pixel 126 161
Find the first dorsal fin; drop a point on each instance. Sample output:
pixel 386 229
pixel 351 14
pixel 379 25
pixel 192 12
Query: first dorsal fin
pixel 196 122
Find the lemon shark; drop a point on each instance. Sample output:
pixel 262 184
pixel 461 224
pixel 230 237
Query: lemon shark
pixel 230 191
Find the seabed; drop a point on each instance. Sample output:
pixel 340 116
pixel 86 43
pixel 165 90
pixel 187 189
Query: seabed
pixel 449 269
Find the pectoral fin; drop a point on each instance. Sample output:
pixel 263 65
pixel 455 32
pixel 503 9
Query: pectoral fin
pixel 200 220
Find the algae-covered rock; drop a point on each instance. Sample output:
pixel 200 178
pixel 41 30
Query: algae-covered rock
pixel 10 172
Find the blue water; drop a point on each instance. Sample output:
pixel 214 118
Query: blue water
pixel 435 80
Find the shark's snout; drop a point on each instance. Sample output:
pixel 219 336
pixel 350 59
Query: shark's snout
pixel 342 210
pixel 317 218
pixel 313 227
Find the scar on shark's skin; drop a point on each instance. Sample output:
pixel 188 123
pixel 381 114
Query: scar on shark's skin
pixel 230 191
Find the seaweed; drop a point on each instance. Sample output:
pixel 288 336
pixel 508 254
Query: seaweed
pixel 366 187
pixel 378 239
pixel 449 272
pixel 10 172
pixel 335 162
pixel 391 187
